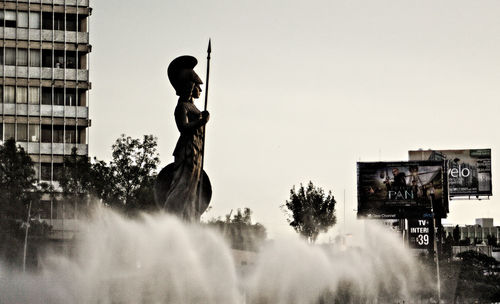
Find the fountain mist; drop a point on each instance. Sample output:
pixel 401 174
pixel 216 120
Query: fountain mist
pixel 159 259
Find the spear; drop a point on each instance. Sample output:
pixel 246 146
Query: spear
pixel 209 50
pixel 200 185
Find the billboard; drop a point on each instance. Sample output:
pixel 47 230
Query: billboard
pixel 469 171
pixel 419 233
pixel 401 189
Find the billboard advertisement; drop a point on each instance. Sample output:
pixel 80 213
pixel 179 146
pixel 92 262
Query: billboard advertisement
pixel 469 171
pixel 419 233
pixel 401 189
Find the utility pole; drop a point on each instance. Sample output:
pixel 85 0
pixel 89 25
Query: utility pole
pixel 27 226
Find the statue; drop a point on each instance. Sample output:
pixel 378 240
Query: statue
pixel 182 187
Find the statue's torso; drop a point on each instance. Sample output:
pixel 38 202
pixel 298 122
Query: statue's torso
pixel 190 143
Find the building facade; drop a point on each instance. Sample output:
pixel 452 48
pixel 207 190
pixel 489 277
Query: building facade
pixel 480 232
pixel 44 85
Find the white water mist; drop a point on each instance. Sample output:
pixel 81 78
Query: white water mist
pixel 159 259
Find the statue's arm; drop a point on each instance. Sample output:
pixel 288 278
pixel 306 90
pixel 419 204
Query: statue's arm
pixel 184 125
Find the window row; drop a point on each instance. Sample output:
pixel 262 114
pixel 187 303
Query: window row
pixel 49 134
pixel 48 96
pixel 45 58
pixel 49 20
pixel 20 19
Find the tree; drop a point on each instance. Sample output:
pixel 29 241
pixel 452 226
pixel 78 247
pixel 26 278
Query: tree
pixel 19 189
pixel 310 211
pixel 17 181
pixel 77 180
pixel 478 278
pixel 133 171
pixel 240 231
pixel 126 183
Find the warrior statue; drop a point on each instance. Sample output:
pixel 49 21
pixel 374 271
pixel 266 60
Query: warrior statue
pixel 183 187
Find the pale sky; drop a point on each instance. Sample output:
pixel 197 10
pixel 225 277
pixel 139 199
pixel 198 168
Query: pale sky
pixel 302 90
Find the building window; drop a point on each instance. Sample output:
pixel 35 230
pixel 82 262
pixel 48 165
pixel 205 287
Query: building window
pixel 22 132
pixel 22 57
pixel 10 131
pixel 10 56
pixel 70 137
pixel 45 171
pixel 1 94
pixel 58 59
pixel 58 171
pixel 21 95
pixel 46 96
pixel 34 20
pixel 59 96
pixel 11 59
pixel 34 95
pixel 58 22
pixel 34 58
pixel 19 19
pixel 22 19
pixel 34 133
pixel 8 18
pixel 47 21
pixel 47 58
pixel 70 97
pixel 46 134
pixel 1 132
pixel 71 60
pixel 82 135
pixel 9 94
pixel 58 134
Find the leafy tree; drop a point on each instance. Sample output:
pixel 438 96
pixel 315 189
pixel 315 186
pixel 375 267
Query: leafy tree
pixel 103 181
pixel 310 211
pixel 77 180
pixel 127 182
pixel 479 278
pixel 19 189
pixel 133 169
pixel 17 180
pixel 240 231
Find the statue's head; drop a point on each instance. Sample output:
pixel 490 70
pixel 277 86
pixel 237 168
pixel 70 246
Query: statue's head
pixel 182 76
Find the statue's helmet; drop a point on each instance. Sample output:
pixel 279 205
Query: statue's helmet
pixel 182 76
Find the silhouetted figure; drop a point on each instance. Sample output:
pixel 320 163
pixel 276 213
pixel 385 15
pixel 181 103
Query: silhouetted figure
pixel 183 188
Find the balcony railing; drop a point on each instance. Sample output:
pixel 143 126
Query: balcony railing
pixel 44 110
pixel 53 148
pixel 46 35
pixel 45 73
pixel 57 2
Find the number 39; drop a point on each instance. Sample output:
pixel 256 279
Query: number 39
pixel 423 239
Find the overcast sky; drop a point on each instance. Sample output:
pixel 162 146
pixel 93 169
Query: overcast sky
pixel 302 90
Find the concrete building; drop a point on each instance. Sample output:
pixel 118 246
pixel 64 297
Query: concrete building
pixel 44 84
pixel 480 231
pixel 485 222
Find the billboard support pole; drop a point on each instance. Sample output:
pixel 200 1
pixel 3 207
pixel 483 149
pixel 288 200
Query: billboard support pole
pixel 436 251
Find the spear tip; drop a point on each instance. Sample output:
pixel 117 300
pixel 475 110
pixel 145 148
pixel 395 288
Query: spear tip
pixel 209 45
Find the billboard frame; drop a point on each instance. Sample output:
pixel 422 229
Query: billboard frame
pixel 441 155
pixel 412 209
